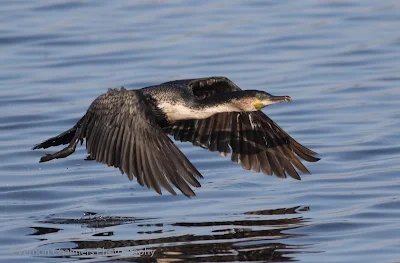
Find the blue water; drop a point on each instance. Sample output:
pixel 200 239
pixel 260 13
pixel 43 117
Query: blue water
pixel 338 60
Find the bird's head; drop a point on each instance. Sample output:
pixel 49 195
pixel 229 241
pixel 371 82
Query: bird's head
pixel 254 100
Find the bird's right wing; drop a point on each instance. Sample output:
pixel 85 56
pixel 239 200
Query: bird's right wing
pixel 121 131
pixel 254 141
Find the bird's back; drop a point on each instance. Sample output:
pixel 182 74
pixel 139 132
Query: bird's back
pixel 169 92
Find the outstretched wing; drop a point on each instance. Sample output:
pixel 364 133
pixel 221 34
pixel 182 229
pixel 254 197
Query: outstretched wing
pixel 121 131
pixel 252 138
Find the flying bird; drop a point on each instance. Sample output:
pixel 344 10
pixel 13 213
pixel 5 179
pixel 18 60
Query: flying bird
pixel 129 129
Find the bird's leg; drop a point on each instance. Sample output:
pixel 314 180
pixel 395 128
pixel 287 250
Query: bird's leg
pixel 64 152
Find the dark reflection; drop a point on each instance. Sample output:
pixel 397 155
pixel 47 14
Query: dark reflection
pixel 95 221
pixel 279 211
pixel 104 234
pixel 252 236
pixel 44 230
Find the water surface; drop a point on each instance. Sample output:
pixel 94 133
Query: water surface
pixel 338 60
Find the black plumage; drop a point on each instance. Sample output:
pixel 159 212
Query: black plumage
pixel 128 129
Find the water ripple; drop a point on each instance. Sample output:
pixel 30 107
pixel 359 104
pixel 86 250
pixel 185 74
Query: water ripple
pixel 338 60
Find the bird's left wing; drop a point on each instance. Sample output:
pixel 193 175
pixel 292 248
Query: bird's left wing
pixel 121 131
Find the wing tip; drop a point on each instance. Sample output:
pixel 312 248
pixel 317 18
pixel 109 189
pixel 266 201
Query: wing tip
pixel 36 146
pixel 190 194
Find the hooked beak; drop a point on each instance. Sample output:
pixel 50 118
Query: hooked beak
pixel 277 99
pixel 259 104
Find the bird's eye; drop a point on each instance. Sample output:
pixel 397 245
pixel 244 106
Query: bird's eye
pixel 259 97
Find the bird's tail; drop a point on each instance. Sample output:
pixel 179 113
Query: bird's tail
pixel 63 138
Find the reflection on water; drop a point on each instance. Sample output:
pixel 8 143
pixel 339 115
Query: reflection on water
pixel 96 221
pixel 257 236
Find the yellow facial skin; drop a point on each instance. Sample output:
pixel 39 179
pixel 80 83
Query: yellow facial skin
pixel 258 104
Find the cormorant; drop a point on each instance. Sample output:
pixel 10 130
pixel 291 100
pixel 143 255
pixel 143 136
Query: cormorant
pixel 129 129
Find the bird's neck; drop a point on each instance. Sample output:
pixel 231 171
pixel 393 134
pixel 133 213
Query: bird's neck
pixel 177 112
pixel 200 108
